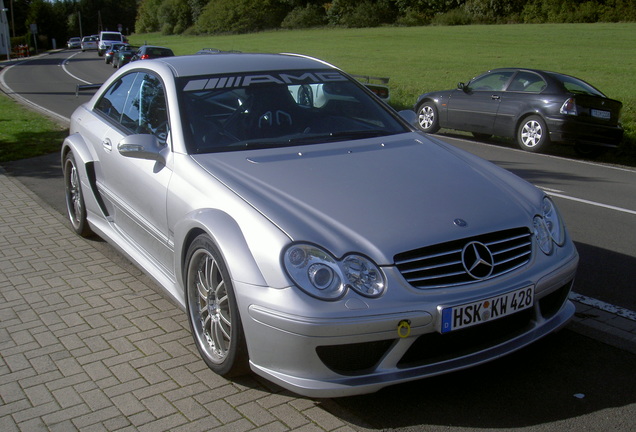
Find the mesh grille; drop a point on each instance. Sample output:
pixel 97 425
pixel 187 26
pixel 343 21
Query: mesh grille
pixel 441 265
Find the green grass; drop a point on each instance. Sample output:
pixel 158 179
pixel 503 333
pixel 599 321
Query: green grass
pixel 421 59
pixel 25 133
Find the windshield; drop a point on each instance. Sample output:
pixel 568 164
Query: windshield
pixel 111 36
pixel 277 109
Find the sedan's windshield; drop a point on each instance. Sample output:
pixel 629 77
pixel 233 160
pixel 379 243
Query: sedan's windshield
pixel 264 110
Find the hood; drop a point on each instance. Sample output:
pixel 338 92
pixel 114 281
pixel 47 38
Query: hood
pixel 379 196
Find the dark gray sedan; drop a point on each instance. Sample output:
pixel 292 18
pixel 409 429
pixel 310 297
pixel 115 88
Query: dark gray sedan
pixel 311 233
pixel 533 106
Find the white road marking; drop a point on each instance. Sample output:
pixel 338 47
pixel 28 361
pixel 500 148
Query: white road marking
pixel 598 304
pixel 69 73
pixel 584 201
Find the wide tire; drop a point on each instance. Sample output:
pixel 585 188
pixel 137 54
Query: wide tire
pixel 75 208
pixel 427 118
pixel 213 311
pixel 533 135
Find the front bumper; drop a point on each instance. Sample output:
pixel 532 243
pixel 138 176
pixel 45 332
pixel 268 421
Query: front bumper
pixel 334 357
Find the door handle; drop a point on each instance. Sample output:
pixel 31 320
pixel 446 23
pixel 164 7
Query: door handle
pixel 108 146
pixel 495 97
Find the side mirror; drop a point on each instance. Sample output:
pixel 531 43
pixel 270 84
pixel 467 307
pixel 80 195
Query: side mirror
pixel 410 116
pixel 142 146
pixel 461 86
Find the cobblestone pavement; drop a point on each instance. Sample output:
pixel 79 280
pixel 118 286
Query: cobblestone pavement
pixel 87 344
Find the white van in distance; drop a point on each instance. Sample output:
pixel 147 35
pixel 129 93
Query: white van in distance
pixel 106 38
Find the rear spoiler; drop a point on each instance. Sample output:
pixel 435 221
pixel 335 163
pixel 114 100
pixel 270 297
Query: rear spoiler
pixel 80 88
pixel 381 90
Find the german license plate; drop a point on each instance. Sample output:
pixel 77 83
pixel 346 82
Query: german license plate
pixel 601 114
pixel 470 314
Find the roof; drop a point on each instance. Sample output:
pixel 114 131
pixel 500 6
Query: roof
pixel 192 65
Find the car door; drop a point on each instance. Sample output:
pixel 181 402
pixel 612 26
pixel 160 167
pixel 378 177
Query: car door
pixel 523 95
pixel 134 190
pixel 474 108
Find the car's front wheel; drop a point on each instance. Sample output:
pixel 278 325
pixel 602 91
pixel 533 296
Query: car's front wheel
pixel 427 117
pixel 75 208
pixel 213 311
pixel 532 134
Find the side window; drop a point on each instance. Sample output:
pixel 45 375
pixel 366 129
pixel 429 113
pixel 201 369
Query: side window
pixel 151 103
pixel 527 82
pixel 114 99
pixel 492 82
pixel 137 101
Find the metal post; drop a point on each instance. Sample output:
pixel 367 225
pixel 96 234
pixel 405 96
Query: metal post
pixel 7 40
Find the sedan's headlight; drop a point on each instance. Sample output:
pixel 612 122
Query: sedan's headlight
pixel 320 275
pixel 548 227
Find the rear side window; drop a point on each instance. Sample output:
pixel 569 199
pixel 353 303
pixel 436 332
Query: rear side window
pixel 527 82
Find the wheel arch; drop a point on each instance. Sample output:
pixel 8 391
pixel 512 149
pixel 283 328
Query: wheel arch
pixel 85 163
pixel 527 114
pixel 226 235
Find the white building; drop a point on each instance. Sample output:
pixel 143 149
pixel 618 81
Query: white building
pixel 5 38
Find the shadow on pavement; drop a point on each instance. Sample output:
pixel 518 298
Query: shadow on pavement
pixel 563 377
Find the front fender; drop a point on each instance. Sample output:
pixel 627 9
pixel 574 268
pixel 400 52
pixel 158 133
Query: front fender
pixel 228 237
pixel 85 162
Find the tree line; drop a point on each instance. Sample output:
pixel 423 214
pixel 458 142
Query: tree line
pixel 62 19
pixel 240 16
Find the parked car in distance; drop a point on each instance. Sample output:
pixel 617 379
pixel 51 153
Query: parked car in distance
pixel 107 38
pixel 123 55
pixel 111 50
pixel 533 106
pixel 146 52
pixel 215 51
pixel 74 42
pixel 309 231
pixel 89 43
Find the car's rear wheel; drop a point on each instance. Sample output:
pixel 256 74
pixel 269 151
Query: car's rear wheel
pixel 532 134
pixel 75 208
pixel 427 117
pixel 213 311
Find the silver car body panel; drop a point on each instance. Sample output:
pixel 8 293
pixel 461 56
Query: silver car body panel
pixel 377 197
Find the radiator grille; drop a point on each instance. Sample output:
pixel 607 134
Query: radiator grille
pixel 456 262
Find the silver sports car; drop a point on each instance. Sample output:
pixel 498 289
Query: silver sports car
pixel 310 232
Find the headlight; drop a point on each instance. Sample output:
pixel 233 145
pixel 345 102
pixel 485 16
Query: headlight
pixel 548 227
pixel 553 221
pixel 320 275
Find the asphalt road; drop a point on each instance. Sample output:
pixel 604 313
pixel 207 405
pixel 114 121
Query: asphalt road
pixel 564 382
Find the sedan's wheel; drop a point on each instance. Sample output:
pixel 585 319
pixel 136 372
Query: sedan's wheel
pixel 427 117
pixel 75 208
pixel 532 134
pixel 213 311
